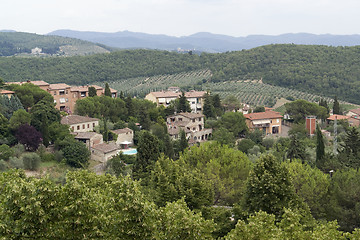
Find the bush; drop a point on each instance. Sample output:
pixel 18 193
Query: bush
pixel 5 152
pixel 268 143
pixel 18 150
pixel 31 161
pixel 3 165
pixel 116 165
pixel 245 144
pixel 58 156
pixel 17 163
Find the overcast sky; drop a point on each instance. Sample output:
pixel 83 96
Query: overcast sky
pixel 183 17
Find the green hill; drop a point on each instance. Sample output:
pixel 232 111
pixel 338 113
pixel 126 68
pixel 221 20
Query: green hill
pixel 320 70
pixel 20 43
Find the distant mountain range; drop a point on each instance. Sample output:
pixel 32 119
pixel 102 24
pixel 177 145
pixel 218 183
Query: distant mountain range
pixel 204 41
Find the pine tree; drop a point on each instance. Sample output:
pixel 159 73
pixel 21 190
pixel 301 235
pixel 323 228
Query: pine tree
pixel 92 91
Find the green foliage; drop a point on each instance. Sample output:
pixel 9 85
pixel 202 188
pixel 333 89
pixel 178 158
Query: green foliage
pixel 299 109
pixel 320 148
pixel 336 106
pixel 75 153
pixel 259 109
pixel 92 91
pixel 177 222
pixel 107 91
pixel 263 226
pixel 172 180
pixel 344 200
pixel 5 152
pixel 183 104
pixel 296 148
pixel 223 136
pixel 30 94
pixel 3 166
pixel 245 145
pixel 234 122
pixel 269 187
pixel 311 185
pixel 222 217
pixel 31 161
pixel 231 103
pixel 256 136
pixel 19 118
pixel 17 163
pixel 116 165
pixel 9 105
pixel 147 154
pixel 227 168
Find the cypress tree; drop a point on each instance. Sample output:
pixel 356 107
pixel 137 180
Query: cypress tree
pixel 107 90
pixel 320 148
pixel 336 107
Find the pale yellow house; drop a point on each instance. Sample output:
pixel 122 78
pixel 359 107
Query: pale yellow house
pixel 80 123
pixel 269 122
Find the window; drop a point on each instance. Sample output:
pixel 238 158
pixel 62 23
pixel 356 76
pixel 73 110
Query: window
pixel 61 92
pixel 199 119
pixel 93 124
pixel 180 119
pixel 83 126
pixel 88 125
pixel 62 108
pixel 193 120
pixel 62 100
pixel 78 127
pixel 83 94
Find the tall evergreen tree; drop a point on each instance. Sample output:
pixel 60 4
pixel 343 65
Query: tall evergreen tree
pixel 130 106
pixel 208 108
pixel 148 153
pixel 183 105
pixel 92 91
pixel 336 107
pixel 296 148
pixel 107 90
pixel 320 147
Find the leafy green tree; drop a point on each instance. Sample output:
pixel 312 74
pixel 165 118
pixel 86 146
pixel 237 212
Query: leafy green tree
pixel 171 180
pixel 5 152
pixel 349 154
pixel 208 108
pixel 147 155
pixel 256 136
pixel 300 108
pixel 92 91
pixel 344 203
pixel 336 106
pixel 183 104
pixel 116 165
pixel 76 154
pixel 42 115
pixel 231 103
pixel 311 185
pixel 259 109
pixel 178 222
pixel 19 118
pixel 269 187
pixel 227 168
pixel 9 105
pixel 234 122
pixel 29 94
pixel 246 144
pixel 223 136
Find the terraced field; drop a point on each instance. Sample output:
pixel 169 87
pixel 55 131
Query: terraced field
pixel 252 92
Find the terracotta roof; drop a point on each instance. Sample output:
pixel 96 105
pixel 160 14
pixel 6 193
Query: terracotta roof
pixel 356 111
pixel 84 88
pixel 86 135
pixel 111 90
pixel 58 86
pixel 263 115
pixel 106 147
pixel 123 130
pixel 74 119
pixel 2 91
pixel 338 117
pixel 164 94
pixel 193 93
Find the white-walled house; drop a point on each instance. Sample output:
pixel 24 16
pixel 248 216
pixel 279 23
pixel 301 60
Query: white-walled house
pixel 125 136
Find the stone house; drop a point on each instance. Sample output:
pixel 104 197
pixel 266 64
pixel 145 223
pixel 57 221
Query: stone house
pixel 191 123
pixel 125 137
pixel 105 151
pixel 90 139
pixel 80 123
pixel 269 122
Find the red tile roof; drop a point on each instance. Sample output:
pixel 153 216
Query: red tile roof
pixel 58 86
pixel 338 117
pixel 263 115
pixel 356 111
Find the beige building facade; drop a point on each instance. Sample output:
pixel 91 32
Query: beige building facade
pixel 269 122
pixel 80 123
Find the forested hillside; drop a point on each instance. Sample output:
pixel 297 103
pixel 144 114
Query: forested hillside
pixel 12 43
pixel 322 70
